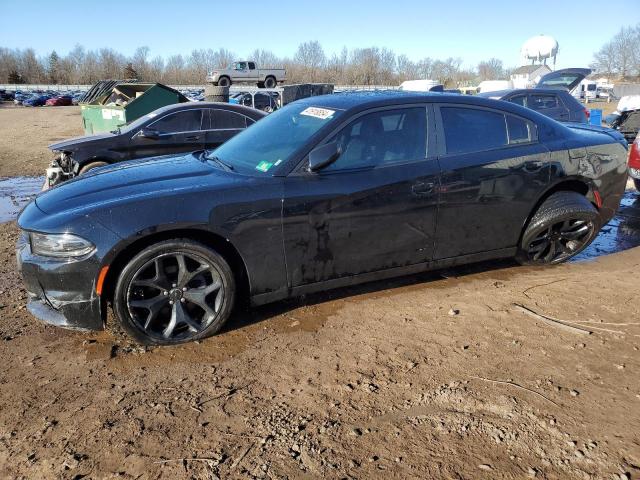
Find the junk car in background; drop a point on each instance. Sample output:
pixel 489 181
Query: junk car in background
pixel 626 118
pixel 184 127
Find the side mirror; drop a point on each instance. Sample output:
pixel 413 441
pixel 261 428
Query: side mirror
pixel 323 156
pixel 149 133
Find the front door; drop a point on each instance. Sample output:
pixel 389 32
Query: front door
pixel 374 208
pixel 174 133
pixel 493 170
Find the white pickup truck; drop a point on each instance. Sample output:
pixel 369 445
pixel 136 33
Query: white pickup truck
pixel 247 72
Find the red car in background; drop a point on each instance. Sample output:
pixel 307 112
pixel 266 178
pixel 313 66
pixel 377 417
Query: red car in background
pixel 59 101
pixel 634 162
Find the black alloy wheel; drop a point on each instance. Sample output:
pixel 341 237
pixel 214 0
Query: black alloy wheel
pixel 560 241
pixel 174 292
pixel 564 225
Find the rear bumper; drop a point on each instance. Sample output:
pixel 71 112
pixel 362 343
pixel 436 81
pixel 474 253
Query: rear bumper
pixel 61 293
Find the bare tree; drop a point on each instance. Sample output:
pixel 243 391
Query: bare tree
pixel 491 69
pixel 620 55
pixel 310 56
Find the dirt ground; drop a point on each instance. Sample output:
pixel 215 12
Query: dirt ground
pixel 438 375
pixel 26 132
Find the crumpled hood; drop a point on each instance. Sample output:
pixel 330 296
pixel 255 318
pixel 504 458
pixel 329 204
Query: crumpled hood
pixel 127 181
pixel 72 144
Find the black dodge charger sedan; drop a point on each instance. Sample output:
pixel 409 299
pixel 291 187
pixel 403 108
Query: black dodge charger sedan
pixel 328 191
pixel 180 128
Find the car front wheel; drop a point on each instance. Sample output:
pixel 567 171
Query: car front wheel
pixel 173 292
pixel 564 225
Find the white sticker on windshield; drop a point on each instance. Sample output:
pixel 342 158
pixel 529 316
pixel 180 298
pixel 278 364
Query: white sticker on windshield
pixel 317 112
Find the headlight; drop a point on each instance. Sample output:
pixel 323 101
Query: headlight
pixel 59 245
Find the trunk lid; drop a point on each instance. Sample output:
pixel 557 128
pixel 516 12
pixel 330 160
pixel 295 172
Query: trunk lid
pixel 568 78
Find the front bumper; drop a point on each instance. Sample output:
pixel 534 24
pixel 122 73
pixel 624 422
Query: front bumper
pixel 61 292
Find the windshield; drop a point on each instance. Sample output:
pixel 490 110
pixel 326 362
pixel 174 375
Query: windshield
pixel 272 140
pixel 136 124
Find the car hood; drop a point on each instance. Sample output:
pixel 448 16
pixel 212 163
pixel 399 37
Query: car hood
pixel 74 143
pixel 136 179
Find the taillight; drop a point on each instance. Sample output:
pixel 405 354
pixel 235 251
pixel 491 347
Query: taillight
pixel 587 112
pixel 634 154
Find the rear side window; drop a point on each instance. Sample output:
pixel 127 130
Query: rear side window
pixel 225 119
pixel 543 102
pixel 186 121
pixel 519 100
pixel 472 130
pixel 520 131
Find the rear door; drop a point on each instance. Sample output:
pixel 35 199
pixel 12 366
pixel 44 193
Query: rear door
pixel 493 171
pixel 176 133
pixel 223 124
pixel 374 208
pixel 550 105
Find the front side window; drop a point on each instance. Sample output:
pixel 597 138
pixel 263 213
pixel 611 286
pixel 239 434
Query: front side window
pixel 186 121
pixel 472 130
pixel 543 102
pixel 382 138
pixel 224 119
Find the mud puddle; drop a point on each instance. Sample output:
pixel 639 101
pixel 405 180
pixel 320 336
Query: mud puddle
pixel 621 233
pixel 15 193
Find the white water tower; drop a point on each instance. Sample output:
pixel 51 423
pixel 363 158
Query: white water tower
pixel 539 49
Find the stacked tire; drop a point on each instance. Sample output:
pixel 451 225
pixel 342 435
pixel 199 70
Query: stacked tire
pixel 214 93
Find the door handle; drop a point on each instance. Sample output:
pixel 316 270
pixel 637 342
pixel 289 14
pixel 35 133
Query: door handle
pixel 422 188
pixel 194 137
pixel 533 166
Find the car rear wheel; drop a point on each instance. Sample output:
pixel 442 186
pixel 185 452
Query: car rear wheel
pixel 270 82
pixel 564 225
pixel 224 82
pixel 173 292
pixel 91 166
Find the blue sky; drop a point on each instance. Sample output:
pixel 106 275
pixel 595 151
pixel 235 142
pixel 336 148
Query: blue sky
pixel 470 29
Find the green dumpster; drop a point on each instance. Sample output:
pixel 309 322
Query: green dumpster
pixel 111 104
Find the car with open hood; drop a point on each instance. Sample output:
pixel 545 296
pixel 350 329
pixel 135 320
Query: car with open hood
pixel 326 192
pixel 178 128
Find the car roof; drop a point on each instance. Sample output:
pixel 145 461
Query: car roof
pixel 352 101
pixel 251 112
pixel 516 91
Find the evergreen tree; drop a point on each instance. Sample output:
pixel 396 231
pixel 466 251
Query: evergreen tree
pixel 54 67
pixel 130 73
pixel 14 77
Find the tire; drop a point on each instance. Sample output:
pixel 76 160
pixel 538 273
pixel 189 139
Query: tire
pixel 270 82
pixel 91 166
pixel 214 93
pixel 636 183
pixel 564 225
pixel 177 303
pixel 224 82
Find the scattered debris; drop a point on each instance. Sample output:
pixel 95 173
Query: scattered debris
pixel 552 321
